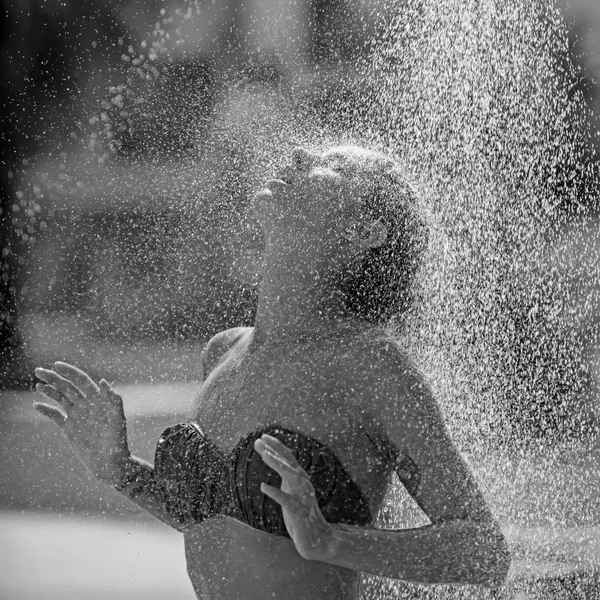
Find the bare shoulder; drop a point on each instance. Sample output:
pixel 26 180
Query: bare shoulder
pixel 390 387
pixel 219 345
pixel 379 360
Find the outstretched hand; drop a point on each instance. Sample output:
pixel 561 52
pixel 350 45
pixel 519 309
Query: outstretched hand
pixel 90 415
pixel 303 519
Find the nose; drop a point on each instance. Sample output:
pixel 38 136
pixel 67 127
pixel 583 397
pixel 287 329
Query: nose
pixel 302 159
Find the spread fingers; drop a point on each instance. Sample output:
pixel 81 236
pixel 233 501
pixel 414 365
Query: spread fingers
pixel 82 381
pixel 289 501
pixel 51 412
pixel 280 465
pixel 109 393
pixel 60 384
pixel 278 447
pixel 52 394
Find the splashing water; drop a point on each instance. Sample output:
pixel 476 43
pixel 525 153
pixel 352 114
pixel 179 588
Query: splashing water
pixel 478 100
pixel 481 104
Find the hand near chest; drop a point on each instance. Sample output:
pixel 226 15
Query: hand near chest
pixel 303 518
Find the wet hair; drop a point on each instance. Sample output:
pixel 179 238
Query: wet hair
pixel 379 285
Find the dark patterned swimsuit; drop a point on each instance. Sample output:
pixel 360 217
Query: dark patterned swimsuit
pixel 197 480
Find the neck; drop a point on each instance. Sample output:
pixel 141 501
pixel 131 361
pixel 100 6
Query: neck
pixel 297 297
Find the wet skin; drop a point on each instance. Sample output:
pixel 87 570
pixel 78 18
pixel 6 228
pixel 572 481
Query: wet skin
pixel 300 386
pixel 310 366
pixel 336 390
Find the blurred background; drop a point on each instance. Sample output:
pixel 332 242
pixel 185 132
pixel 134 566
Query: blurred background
pixel 133 133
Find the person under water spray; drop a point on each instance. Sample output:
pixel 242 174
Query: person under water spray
pixel 302 420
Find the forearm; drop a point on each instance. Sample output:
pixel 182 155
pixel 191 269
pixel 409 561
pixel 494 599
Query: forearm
pixel 454 552
pixel 135 479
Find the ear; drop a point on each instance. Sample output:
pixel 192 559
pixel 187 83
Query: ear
pixel 371 236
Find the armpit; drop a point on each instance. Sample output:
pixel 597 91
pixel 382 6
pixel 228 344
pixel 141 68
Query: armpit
pixel 408 472
pixel 405 467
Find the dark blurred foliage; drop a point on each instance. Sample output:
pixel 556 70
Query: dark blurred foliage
pixel 57 61
pixel 48 52
pixel 130 276
pixel 576 183
pixel 338 31
pixel 149 134
pixel 546 344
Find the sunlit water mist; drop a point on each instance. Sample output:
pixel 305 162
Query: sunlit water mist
pixel 480 103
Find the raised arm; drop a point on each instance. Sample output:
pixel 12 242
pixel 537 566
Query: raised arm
pixel 462 545
pixel 92 419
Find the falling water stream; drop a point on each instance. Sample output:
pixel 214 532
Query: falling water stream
pixel 480 102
